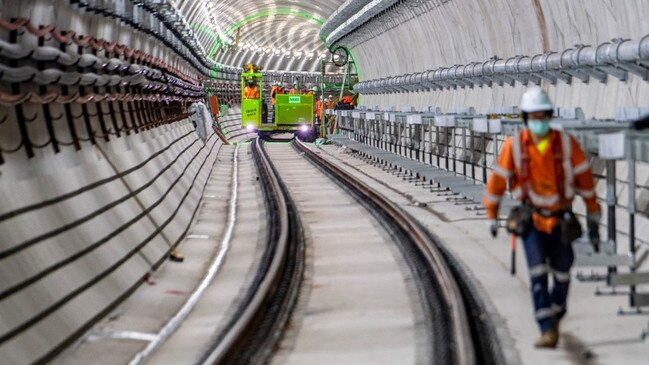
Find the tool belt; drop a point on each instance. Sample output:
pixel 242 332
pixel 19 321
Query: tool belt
pixel 569 226
pixel 520 222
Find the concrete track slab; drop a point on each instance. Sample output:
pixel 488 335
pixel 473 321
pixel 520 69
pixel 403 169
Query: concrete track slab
pixel 592 333
pixel 355 306
pixel 130 327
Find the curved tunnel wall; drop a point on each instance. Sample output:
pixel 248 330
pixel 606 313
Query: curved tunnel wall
pixel 105 187
pixel 460 32
pixel 81 232
pixel 80 227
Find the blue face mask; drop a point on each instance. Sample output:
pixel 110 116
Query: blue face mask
pixel 539 127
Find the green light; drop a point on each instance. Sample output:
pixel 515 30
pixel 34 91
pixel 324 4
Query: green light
pixel 265 13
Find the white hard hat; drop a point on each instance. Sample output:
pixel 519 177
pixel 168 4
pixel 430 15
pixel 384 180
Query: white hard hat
pixel 535 100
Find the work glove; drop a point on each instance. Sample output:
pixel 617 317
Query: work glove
pixel 493 228
pixel 592 224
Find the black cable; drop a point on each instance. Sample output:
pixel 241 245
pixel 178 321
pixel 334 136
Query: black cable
pixel 641 123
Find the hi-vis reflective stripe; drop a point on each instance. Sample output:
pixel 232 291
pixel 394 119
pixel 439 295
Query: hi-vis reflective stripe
pixel 562 277
pixel 556 308
pixel 581 168
pixel 538 270
pixel 586 193
pixel 543 201
pixel 517 193
pixel 569 190
pixel 493 198
pixel 544 313
pixel 502 172
pixel 568 172
pixel 516 148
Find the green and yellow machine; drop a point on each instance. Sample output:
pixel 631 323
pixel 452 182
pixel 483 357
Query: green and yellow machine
pixel 252 108
pixel 292 113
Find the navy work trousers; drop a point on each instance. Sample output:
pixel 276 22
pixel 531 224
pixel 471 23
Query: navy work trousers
pixel 547 255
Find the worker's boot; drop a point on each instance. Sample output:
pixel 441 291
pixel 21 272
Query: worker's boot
pixel 176 256
pixel 548 339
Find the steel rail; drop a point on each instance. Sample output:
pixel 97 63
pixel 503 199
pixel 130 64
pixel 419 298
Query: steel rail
pixel 250 336
pixel 460 339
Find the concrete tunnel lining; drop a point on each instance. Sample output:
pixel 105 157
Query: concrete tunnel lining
pixel 90 189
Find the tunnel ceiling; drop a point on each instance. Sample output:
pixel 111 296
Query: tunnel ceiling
pixel 279 35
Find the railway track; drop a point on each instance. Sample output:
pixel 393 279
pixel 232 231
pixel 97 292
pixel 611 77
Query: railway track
pixel 271 307
pixel 251 334
pixel 335 273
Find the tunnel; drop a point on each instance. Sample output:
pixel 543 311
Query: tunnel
pixel 324 182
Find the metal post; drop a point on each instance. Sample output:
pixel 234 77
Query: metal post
pixel 398 136
pixel 383 134
pixel 611 201
pixel 454 148
pixel 472 147
pixel 410 141
pixel 631 210
pixel 437 144
pixel 447 149
pixel 483 159
pixel 391 136
pixel 421 147
pixel 464 151
pixel 430 144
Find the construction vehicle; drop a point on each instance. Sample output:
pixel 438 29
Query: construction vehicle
pixel 292 114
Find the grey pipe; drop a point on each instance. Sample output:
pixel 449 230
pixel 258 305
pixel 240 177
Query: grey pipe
pixel 618 58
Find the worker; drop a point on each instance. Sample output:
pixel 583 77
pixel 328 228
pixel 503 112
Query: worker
pixel 330 119
pixel 347 99
pixel 330 103
pixel 276 89
pixel 251 91
pixel 294 90
pixel 347 102
pixel 545 168
pixel 319 105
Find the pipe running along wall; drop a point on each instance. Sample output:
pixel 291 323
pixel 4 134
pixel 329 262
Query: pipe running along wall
pixel 413 37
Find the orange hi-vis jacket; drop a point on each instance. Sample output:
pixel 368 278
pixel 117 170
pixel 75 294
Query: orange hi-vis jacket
pixel 251 92
pixel 543 183
pixel 292 91
pixel 274 91
pixel 347 100
pixel 318 108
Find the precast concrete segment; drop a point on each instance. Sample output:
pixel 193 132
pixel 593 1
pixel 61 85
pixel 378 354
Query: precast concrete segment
pixel 512 29
pixel 94 252
pixel 592 329
pixel 221 299
pixel 358 307
pixel 128 329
